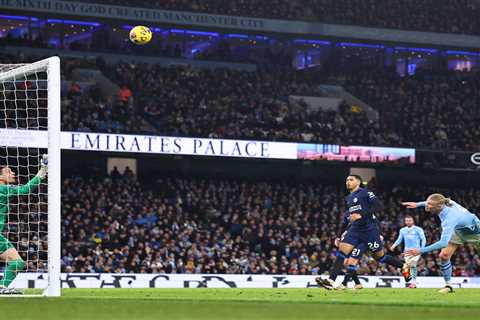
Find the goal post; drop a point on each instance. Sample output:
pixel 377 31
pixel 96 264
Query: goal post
pixel 54 182
pixel 29 113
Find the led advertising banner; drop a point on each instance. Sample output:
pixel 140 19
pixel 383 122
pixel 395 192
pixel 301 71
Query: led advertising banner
pixel 148 280
pixel 309 151
pixel 90 141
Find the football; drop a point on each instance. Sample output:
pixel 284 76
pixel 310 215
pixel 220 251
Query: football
pixel 140 35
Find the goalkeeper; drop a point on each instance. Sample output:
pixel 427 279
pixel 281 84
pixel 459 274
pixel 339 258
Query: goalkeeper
pixel 8 253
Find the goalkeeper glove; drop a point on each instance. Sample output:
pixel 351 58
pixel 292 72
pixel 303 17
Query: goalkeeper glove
pixel 42 173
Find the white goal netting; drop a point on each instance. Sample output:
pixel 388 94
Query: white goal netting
pixel 24 193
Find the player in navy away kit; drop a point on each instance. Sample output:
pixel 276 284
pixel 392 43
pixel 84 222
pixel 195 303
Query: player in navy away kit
pixel 361 205
pixel 351 263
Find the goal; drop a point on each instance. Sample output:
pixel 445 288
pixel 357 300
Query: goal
pixel 29 128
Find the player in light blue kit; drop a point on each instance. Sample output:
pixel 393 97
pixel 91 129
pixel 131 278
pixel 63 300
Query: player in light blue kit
pixel 459 226
pixel 413 238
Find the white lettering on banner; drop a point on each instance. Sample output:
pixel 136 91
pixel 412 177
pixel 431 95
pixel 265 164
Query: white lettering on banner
pixel 86 141
pixel 90 141
pixel 111 280
pixel 178 145
pixel 143 14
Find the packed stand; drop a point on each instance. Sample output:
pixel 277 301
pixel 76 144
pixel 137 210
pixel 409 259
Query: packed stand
pixel 221 103
pixel 86 107
pixel 439 110
pixel 85 110
pixel 428 110
pixel 193 225
pixel 426 15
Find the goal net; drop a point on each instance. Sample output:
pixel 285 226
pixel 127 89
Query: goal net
pixel 30 198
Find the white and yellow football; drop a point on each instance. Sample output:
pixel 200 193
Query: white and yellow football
pixel 140 35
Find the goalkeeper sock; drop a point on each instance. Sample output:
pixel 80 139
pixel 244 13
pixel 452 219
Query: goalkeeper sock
pixel 13 267
pixel 446 267
pixel 337 266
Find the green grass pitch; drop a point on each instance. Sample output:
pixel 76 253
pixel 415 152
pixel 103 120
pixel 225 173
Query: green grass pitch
pixel 199 304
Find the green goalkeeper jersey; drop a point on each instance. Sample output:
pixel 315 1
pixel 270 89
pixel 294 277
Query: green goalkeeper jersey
pixel 7 191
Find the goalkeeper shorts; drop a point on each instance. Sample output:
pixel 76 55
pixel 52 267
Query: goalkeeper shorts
pixel 5 244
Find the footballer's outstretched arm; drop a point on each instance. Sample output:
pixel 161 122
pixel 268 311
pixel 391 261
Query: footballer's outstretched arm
pixel 22 189
pixel 413 205
pixel 12 190
pixel 447 233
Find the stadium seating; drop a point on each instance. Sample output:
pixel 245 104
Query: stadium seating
pixel 432 109
pixel 195 225
pixel 429 110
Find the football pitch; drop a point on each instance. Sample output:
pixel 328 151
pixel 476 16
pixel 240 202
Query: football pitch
pixel 199 304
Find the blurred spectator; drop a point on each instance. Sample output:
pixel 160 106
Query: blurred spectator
pixel 74 90
pixel 124 94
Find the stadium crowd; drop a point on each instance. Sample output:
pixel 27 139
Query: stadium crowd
pixel 86 110
pixel 183 101
pixel 195 225
pixel 431 109
pixel 459 16
pixel 438 110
